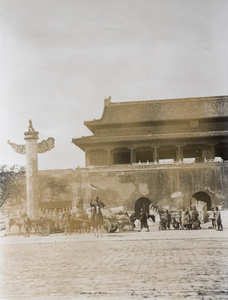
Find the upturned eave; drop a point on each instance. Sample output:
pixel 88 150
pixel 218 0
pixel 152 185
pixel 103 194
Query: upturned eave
pixel 150 111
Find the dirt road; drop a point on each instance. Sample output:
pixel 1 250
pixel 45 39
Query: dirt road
pixel 130 265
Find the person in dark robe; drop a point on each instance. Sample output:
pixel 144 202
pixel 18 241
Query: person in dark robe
pixel 187 220
pixel 67 223
pixel 27 225
pixel 167 217
pixel 195 219
pixel 143 220
pixel 218 219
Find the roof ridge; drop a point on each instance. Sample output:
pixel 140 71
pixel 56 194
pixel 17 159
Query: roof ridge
pixel 168 100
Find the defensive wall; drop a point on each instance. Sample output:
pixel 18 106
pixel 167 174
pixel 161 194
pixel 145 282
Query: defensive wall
pixel 173 186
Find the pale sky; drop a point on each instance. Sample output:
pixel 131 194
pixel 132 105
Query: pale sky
pixel 59 59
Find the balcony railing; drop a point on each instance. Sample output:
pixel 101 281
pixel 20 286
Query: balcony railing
pixel 183 161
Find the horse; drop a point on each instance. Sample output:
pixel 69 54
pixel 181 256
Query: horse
pixel 80 223
pixel 97 222
pixel 16 221
pixel 152 217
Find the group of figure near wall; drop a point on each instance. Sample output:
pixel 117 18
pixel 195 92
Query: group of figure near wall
pixel 190 219
pixel 186 219
pixel 216 220
pixel 69 221
pixel 162 218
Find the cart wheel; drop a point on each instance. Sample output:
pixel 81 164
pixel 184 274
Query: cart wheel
pixel 114 227
pixel 43 228
pixel 106 226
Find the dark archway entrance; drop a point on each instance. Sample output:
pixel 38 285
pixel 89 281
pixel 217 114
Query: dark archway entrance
pixel 142 203
pixel 202 196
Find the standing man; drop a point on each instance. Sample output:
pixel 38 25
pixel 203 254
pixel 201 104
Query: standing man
pixel 143 220
pixel 212 217
pixel 67 223
pixel 167 218
pixel 27 225
pixel 218 220
pixel 182 218
pixel 195 220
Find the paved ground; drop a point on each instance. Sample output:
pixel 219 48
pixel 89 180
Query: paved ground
pixel 129 265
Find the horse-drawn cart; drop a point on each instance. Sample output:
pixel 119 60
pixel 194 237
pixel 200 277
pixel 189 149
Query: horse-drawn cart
pixel 110 225
pixel 114 221
pixel 42 227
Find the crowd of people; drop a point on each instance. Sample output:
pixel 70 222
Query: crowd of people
pixel 68 221
pixel 60 220
pixel 188 219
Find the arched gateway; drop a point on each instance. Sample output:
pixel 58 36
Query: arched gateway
pixel 204 197
pixel 142 203
pixel 142 141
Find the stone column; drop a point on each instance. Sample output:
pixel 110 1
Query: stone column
pixel 31 149
pixel 31 138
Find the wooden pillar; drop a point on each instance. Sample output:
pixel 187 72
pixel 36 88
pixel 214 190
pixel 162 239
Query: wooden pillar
pixel 155 155
pixel 179 153
pixel 87 159
pixel 132 158
pixel 110 160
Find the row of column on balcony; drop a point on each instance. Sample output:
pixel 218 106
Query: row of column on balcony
pixel 99 157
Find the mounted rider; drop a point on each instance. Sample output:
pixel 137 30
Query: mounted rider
pixel 96 208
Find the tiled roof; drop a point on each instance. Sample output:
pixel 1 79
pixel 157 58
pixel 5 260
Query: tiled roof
pixel 93 140
pixel 162 110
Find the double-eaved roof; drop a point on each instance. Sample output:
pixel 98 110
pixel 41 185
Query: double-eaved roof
pixel 161 110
